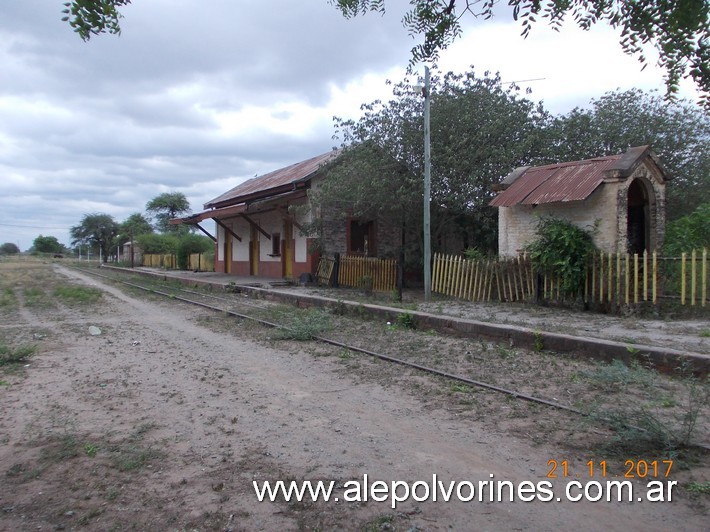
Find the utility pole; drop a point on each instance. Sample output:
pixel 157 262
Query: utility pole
pixel 427 189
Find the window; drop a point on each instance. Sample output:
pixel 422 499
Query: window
pixel 361 240
pixel 275 244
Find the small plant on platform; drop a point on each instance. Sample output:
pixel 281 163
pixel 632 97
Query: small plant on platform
pixel 406 320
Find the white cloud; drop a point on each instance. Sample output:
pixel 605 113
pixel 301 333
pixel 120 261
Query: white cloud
pixel 198 96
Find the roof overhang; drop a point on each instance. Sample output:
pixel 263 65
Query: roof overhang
pixel 225 212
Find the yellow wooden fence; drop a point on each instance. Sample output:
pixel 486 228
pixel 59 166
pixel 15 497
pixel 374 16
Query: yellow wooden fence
pixel 167 261
pixel 200 262
pixel 370 273
pixel 616 278
pixel 196 261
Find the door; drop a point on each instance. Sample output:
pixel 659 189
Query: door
pixel 287 254
pixel 253 251
pixel 227 252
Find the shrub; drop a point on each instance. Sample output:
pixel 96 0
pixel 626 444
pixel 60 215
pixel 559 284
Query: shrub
pixel 564 249
pixel 689 232
pixel 189 244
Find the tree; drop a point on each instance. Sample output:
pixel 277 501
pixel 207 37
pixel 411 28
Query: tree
pixel 97 231
pixel 479 132
pixel 679 30
pixel 690 232
pixel 91 17
pixel 167 206
pixel 679 133
pixel 47 244
pixel 136 224
pixel 8 248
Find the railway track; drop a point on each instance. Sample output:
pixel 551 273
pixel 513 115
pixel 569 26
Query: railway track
pixel 233 307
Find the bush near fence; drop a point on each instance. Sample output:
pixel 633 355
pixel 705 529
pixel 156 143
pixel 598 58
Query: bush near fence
pixel 613 279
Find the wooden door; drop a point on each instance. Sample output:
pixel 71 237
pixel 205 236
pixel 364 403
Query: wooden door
pixel 227 252
pixel 287 254
pixel 253 251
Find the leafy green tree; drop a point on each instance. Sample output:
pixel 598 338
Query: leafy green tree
pixel 690 232
pixel 679 30
pixel 479 132
pixel 97 231
pixel 8 248
pixel 47 244
pixel 136 224
pixel 679 133
pixel 166 206
pixel 157 243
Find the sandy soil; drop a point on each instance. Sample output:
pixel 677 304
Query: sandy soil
pixel 160 423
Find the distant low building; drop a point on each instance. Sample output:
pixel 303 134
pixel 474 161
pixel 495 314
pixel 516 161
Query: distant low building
pixel 623 194
pixel 128 248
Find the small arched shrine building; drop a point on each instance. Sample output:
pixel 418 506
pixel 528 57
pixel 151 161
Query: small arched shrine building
pixel 624 195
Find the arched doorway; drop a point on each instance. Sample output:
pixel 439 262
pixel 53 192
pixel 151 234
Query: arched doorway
pixel 638 226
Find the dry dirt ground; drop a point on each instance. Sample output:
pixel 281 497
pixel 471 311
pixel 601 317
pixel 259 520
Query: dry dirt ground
pixel 163 420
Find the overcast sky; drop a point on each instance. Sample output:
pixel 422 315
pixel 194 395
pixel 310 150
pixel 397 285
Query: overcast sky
pixel 196 96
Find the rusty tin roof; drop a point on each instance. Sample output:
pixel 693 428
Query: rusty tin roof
pixel 273 183
pixel 562 182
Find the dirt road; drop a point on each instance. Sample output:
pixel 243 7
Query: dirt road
pixel 160 423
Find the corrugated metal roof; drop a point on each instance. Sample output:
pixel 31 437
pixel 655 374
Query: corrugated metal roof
pixel 571 181
pixel 272 183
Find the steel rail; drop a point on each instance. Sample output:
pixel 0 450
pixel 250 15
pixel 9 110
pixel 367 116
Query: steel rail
pixel 380 356
pixel 336 343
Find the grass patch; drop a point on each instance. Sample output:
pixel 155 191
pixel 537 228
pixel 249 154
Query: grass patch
pixel 701 488
pixel 18 355
pixel 303 325
pixel 8 299
pixel 78 294
pixel 35 296
pixel 618 377
pixel 666 426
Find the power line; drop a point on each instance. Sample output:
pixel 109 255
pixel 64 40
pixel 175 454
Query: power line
pixel 36 226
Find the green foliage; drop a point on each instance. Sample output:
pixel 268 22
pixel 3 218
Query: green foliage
pixel 18 355
pixel 78 294
pixel 92 17
pixel 303 325
pixel 689 232
pixel 679 31
pixel 479 132
pixel 188 244
pixel 563 249
pixel 166 206
pixel 97 231
pixel 699 487
pixel 473 254
pixel 679 133
pixel 406 320
pixel 8 248
pixel 646 427
pixel 136 224
pixel 157 243
pixel 47 244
